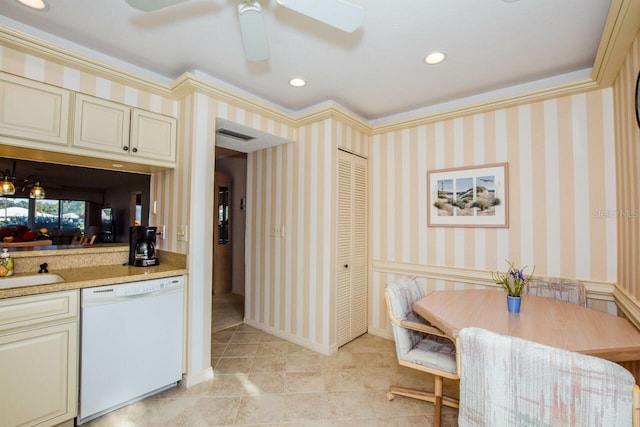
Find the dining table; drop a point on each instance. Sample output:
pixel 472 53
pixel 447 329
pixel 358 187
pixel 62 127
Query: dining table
pixel 541 319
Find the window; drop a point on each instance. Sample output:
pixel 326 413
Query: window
pixel 72 214
pixel 13 211
pixel 49 213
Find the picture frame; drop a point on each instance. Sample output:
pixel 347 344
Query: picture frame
pixel 473 196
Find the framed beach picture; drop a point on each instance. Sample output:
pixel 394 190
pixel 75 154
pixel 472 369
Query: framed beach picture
pixel 474 196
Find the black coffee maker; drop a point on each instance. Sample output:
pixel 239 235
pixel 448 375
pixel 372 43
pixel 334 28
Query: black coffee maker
pixel 142 246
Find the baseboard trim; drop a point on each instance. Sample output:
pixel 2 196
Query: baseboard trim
pixel 189 381
pixel 382 333
pixel 319 348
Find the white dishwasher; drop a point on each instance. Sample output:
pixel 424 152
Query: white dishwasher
pixel 131 343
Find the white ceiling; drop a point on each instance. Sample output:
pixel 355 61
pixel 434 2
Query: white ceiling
pixel 376 72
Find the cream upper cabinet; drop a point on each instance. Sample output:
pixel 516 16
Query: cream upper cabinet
pixel 101 125
pixel 153 135
pixel 110 127
pixel 39 359
pixel 40 117
pixel 33 111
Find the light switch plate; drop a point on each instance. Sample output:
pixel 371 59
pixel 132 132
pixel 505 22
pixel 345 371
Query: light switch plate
pixel 182 233
pixel 277 231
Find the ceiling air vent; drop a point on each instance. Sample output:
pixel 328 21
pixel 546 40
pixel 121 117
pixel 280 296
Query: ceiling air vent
pixel 236 135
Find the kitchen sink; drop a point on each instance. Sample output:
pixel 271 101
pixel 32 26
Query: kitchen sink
pixel 29 280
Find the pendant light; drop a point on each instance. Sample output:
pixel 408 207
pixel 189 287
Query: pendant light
pixel 37 192
pixel 6 185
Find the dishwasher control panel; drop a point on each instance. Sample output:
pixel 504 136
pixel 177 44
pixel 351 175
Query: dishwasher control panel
pixel 124 290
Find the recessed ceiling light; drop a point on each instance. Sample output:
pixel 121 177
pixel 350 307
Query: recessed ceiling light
pixel 35 4
pixel 297 82
pixel 435 57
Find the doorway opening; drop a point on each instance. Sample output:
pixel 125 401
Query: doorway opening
pixel 228 240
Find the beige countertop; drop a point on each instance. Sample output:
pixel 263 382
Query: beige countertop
pixel 86 277
pixel 80 268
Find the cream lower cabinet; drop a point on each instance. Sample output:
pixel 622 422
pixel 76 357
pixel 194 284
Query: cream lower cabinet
pixel 39 359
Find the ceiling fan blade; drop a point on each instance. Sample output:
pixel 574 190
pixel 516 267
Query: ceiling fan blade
pixel 254 36
pixel 151 5
pixel 338 13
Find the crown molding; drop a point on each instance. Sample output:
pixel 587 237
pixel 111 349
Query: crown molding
pixel 491 105
pixel 333 111
pixel 623 22
pixel 25 43
pixel 621 27
pixel 189 83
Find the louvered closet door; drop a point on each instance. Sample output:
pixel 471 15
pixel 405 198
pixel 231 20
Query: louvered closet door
pixel 352 247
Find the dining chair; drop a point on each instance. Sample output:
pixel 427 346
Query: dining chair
pixel 419 345
pixel 508 381
pixel 562 289
pixel 88 239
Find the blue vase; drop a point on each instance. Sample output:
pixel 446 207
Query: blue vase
pixel 513 304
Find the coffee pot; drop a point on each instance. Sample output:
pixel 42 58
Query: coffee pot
pixel 142 244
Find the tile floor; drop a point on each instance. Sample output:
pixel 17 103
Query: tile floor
pixel 227 310
pixel 260 379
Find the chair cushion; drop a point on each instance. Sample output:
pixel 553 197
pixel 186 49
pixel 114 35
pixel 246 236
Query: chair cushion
pixel 430 351
pixel 507 381
pixel 433 352
pixel 403 292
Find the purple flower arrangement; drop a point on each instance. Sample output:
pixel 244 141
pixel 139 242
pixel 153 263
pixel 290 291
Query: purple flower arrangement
pixel 514 280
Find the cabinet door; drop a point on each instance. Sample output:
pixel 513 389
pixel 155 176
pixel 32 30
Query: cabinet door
pixel 29 311
pixel 101 125
pixel 153 135
pixel 32 110
pixel 38 371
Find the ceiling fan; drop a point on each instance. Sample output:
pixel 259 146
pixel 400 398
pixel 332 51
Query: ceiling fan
pixel 340 14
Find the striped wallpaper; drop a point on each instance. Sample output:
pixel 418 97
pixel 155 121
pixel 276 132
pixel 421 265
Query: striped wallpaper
pixel 561 160
pixel 563 166
pixel 628 188
pixel 628 172
pixel 291 279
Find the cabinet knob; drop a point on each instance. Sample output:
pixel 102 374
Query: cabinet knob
pixel 135 150
pixel 346 266
pixel 125 148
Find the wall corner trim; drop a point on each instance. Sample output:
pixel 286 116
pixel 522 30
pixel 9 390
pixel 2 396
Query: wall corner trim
pixel 628 305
